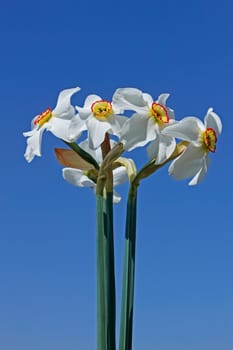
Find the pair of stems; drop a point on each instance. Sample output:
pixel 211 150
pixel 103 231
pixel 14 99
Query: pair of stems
pixel 106 291
pixel 126 326
pixel 106 298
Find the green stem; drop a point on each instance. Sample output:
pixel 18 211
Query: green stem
pixel 106 298
pixel 106 295
pixel 108 231
pixel 101 273
pixel 126 327
pixel 110 272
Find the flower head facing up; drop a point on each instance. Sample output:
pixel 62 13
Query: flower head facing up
pixel 57 121
pixel 101 117
pixel 202 138
pixel 102 109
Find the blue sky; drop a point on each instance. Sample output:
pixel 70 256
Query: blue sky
pixel 184 282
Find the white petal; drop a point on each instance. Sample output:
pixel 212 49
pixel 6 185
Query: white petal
pixel 170 113
pixel 137 131
pixel 152 149
pixel 33 125
pixel 96 131
pixel 63 108
pixel 188 164
pixel 84 113
pixel 162 99
pixel 90 100
pixel 95 153
pixel 59 127
pixel 119 176
pixel 187 129
pixel 213 121
pixel 77 125
pixel 76 177
pixel 201 174
pixel 117 109
pixel 130 99
pixel 117 123
pixel 33 143
pixel 167 146
pixel 161 148
pixel 148 99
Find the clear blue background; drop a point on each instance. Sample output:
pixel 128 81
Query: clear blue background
pixel 184 282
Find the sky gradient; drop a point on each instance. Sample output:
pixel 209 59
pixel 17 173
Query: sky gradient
pixel 184 281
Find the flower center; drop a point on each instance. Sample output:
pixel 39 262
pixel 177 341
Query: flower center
pixel 43 117
pixel 159 113
pixel 102 109
pixel 210 139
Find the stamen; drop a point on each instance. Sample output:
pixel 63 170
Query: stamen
pixel 102 109
pixel 159 113
pixel 210 139
pixel 43 117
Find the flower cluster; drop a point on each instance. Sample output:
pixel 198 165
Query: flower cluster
pixel 108 128
pixel 151 123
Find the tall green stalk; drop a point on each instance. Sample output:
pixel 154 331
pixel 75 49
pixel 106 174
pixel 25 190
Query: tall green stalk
pixel 126 327
pixel 106 295
pixel 127 304
pixel 106 304
pixel 110 272
pixel 106 298
pixel 101 277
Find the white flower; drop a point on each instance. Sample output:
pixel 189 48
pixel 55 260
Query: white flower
pixel 78 177
pixel 56 121
pixel 146 124
pixel 100 117
pixel 195 160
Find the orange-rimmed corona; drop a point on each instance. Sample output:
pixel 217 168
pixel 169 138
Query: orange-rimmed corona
pixel 43 117
pixel 209 139
pixel 102 109
pixel 159 113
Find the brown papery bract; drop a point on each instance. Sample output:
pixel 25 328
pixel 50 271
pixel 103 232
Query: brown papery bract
pixel 71 159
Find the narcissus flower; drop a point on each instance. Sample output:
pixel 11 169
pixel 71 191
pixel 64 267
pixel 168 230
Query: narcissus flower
pixel 56 121
pixel 202 139
pixel 82 174
pixel 146 124
pixel 101 117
